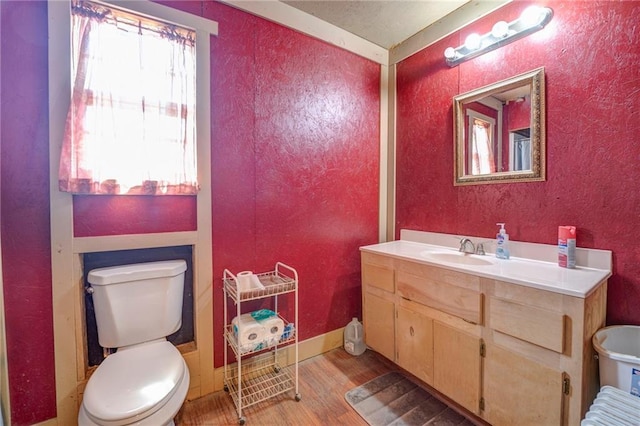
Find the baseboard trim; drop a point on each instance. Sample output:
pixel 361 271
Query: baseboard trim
pixel 50 422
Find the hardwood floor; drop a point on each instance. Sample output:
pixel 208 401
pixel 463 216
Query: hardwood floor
pixel 323 381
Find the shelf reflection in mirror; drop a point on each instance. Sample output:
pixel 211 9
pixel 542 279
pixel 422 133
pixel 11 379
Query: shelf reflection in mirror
pixel 499 131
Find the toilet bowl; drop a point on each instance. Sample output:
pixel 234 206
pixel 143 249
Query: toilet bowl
pixel 141 385
pixel 145 382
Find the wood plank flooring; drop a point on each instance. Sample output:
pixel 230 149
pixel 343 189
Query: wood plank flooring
pixel 323 381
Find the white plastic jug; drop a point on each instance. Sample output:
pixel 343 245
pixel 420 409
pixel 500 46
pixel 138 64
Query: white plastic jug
pixel 353 338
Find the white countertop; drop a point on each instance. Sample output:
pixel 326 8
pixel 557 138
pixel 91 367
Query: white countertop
pixel 578 282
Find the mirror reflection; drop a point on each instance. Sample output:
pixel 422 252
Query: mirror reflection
pixel 499 131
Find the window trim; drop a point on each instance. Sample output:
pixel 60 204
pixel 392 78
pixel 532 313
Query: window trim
pixel 66 268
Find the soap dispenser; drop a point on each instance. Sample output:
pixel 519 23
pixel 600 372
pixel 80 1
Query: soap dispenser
pixel 502 241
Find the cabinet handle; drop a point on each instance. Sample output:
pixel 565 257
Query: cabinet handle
pixel 411 332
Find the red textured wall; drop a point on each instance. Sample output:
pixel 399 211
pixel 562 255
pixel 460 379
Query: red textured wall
pixel 519 114
pixel 131 214
pixel 295 164
pixel 591 54
pixel 24 212
pixel 294 177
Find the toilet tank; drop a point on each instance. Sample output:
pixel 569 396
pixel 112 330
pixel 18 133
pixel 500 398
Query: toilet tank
pixel 137 303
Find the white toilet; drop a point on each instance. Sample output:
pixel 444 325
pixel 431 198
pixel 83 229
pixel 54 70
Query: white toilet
pixel 146 381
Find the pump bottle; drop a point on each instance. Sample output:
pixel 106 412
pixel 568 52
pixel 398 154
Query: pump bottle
pixel 502 241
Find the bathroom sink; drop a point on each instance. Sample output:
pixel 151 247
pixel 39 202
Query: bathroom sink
pixel 456 258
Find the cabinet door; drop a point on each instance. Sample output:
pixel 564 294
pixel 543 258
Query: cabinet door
pixel 379 324
pixel 520 391
pixel 414 340
pixel 456 365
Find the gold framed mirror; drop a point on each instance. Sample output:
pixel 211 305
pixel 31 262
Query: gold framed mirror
pixel 499 132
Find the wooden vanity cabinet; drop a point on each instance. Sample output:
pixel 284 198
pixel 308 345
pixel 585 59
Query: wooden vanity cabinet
pixel 378 303
pixel 441 350
pixel 452 304
pixel 510 354
pixel 539 366
pixel 434 323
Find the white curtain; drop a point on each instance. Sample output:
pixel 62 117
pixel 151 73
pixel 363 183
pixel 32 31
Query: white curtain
pixel 482 149
pixel 131 125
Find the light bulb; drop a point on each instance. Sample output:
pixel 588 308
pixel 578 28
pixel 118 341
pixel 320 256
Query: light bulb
pixel 472 42
pixel 500 29
pixel 449 53
pixel 531 16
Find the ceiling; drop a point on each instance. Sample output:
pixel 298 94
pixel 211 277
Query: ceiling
pixel 385 23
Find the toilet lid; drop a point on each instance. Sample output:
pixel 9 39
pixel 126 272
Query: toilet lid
pixel 134 382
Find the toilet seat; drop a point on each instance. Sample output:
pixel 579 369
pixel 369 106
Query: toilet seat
pixel 134 383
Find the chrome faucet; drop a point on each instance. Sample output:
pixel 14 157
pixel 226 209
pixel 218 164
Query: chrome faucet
pixel 465 243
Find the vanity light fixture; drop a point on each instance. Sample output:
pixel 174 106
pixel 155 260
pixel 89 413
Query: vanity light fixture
pixel 533 19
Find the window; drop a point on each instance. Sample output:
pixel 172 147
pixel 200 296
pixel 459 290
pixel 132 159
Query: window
pixel 131 124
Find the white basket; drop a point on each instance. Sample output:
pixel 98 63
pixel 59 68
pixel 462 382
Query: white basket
pixel 618 350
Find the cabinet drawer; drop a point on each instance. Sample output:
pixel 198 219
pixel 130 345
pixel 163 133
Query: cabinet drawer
pixel 378 276
pixel 461 302
pixel 535 325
